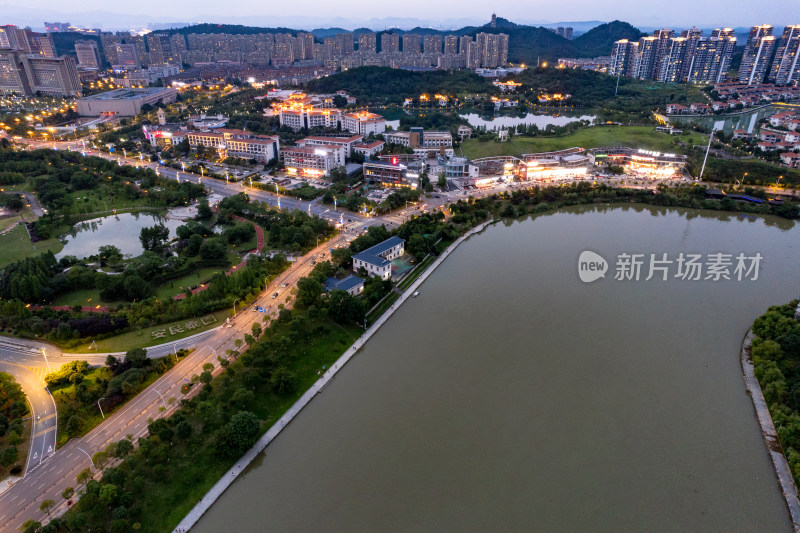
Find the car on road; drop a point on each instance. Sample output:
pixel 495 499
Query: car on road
pixel 275 295
pixel 285 285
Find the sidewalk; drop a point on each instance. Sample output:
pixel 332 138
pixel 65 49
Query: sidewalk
pixel 230 476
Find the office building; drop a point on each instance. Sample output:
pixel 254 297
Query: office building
pixel 310 162
pixel 786 65
pixel 363 123
pixel 757 54
pixel 88 54
pixel 31 74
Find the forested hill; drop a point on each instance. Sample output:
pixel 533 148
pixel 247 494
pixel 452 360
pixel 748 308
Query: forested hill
pixel 381 84
pixel 598 40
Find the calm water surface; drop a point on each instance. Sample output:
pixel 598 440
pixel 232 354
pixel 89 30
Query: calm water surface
pixel 531 118
pixel 121 230
pixel 509 396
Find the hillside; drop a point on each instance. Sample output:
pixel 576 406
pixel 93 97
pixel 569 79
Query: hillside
pixel 388 85
pixel 599 40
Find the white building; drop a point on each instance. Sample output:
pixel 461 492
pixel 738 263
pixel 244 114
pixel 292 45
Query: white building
pixel 363 123
pixel 377 260
pixel 310 162
pixel 322 140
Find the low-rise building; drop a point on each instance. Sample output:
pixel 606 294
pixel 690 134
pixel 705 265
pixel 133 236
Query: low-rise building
pixel 377 260
pixel 790 159
pixel 353 285
pixel 369 149
pixel 124 102
pixel 635 160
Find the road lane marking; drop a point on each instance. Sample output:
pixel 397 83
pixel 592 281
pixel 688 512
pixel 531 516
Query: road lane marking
pixel 44 431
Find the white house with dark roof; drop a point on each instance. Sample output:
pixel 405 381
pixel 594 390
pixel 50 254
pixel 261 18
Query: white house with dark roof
pixel 377 260
pixel 351 284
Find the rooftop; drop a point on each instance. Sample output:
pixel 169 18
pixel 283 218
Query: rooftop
pixel 373 255
pixel 128 94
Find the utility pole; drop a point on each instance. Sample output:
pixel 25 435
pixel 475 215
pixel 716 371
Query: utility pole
pixel 708 149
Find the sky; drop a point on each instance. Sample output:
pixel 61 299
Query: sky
pixel 447 13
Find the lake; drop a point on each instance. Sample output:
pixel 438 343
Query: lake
pixel 743 121
pixel 542 121
pixel 121 230
pixel 510 396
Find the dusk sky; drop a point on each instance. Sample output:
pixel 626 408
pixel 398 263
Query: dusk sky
pixel 676 13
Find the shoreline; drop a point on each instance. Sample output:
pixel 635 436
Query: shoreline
pixel 205 503
pixel 770 436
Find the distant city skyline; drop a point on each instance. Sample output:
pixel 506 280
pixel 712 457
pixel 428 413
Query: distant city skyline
pixel 679 13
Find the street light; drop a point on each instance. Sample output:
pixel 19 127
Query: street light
pixel 101 409
pixel 318 236
pixel 234 306
pixel 45 359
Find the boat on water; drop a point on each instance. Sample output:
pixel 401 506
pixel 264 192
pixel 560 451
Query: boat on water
pixel 416 293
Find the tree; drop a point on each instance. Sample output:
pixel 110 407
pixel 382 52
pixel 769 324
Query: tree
pixel 109 254
pixel 108 494
pixel 203 209
pixel 46 506
pixel 154 237
pixel 67 493
pixel 9 456
pixel 100 460
pixel 124 447
pixel 256 329
pixel 84 476
pixel 193 246
pixel 442 181
pixel 184 429
pixel 237 435
pixel 308 292
pixel 136 357
pixel 282 380
pixel 206 377
pixel 30 526
pixel 212 249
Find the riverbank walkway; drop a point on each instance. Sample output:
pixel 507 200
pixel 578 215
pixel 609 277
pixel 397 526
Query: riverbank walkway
pixel 230 476
pixel 785 479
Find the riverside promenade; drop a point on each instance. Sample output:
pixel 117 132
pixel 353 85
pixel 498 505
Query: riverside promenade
pixel 230 476
pixel 785 479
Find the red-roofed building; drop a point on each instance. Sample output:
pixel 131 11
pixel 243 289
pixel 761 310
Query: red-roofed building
pixel 369 149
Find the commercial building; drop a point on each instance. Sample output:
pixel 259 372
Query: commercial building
pixel 642 161
pixel 310 162
pixel 299 118
pixel 345 143
pixel 369 149
pixel 377 260
pixel 31 74
pixel 124 102
pixel 757 54
pixel 419 138
pixel 390 173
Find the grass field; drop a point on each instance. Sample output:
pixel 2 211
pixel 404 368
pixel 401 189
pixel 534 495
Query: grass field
pixel 144 338
pixel 16 245
pixel 634 136
pixel 104 199
pixel 177 286
pixel 81 297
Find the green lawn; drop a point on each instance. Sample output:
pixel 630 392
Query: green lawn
pixel 143 338
pixel 80 297
pixel 594 137
pixel 16 245
pixel 104 199
pixel 178 286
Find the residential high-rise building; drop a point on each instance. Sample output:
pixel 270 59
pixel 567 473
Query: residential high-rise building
pixel 390 43
pixel 473 53
pixel 450 44
pixel 127 55
pixel 306 45
pixel 672 65
pixel 368 42
pixel 32 74
pixel 412 43
pixel 757 54
pixel 463 44
pixel 109 44
pixel 645 60
pixel 786 66
pixel 663 48
pixel 177 44
pixel 432 44
pixel 88 54
pixel 623 57
pixel 565 32
pixel 493 49
pixel 345 41
pixel 160 49
pixel 141 48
